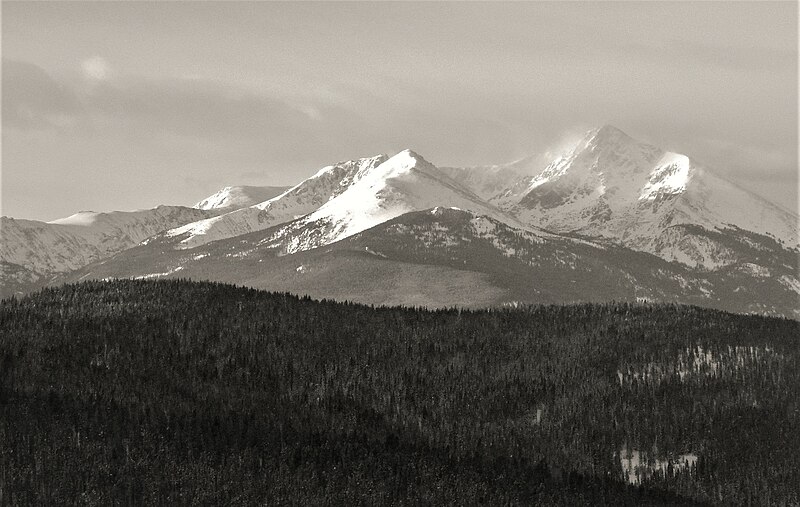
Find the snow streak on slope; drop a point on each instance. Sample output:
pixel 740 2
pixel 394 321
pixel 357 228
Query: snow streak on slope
pixel 230 198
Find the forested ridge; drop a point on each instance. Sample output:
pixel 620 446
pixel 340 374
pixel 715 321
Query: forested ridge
pixel 158 392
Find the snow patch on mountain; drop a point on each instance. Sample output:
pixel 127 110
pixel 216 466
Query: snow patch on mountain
pixel 158 275
pixel 754 270
pixel 792 282
pixel 375 253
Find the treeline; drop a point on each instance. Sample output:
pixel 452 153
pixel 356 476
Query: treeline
pixel 180 392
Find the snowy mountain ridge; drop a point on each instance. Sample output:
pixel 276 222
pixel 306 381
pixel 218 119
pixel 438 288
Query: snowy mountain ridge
pixel 31 250
pixel 403 183
pixel 303 198
pixel 611 186
pixel 446 256
pixel 608 195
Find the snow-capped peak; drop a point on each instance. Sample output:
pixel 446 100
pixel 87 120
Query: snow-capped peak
pixel 614 186
pixel 409 153
pixel 401 163
pixel 605 163
pixel 609 134
pixel 404 183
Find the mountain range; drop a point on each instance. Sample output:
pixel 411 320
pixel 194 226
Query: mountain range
pixel 610 218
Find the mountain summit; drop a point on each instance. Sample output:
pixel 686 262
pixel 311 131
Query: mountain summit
pixel 401 184
pixel 613 187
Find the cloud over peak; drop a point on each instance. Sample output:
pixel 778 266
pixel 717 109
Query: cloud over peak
pixel 96 68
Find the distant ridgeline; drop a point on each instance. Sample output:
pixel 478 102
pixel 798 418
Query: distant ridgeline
pixel 609 219
pixel 142 392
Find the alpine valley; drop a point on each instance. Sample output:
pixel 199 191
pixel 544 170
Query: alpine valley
pixel 611 218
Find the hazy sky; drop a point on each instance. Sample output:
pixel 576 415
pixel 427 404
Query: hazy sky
pixel 129 105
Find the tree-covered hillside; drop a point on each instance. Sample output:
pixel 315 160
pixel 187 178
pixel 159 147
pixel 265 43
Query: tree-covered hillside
pixel 179 392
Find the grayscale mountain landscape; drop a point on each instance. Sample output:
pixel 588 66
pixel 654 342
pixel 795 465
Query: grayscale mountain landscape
pixel 611 218
pixel 399 253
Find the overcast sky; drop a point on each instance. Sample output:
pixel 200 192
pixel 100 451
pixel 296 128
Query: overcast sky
pixel 130 105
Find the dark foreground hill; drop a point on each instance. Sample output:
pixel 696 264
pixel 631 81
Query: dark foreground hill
pixel 178 392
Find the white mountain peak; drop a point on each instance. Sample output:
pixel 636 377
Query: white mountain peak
pixel 403 161
pixel 408 152
pixel 614 186
pixel 609 134
pixel 606 163
pixel 403 183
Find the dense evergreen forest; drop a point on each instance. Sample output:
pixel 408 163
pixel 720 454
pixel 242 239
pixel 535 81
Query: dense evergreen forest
pixel 166 392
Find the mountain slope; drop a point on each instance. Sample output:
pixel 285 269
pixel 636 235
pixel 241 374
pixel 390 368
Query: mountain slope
pixel 445 257
pixel 611 186
pixel 403 184
pixel 299 200
pixel 31 251
pixel 341 201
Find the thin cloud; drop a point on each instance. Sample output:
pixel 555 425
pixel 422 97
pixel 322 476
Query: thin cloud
pixel 32 99
pixel 96 68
